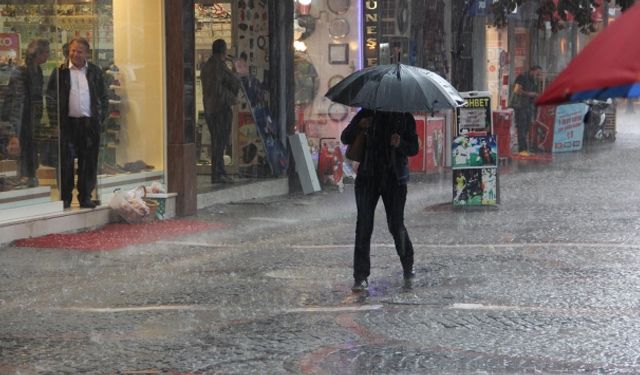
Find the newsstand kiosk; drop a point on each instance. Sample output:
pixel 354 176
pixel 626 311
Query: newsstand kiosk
pixel 474 153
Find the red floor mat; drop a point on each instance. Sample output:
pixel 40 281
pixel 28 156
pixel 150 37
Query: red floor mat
pixel 115 236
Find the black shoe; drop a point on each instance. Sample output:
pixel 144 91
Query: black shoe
pixel 410 274
pixel 360 286
pixel 86 203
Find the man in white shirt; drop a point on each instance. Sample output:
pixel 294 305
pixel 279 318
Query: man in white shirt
pixel 83 103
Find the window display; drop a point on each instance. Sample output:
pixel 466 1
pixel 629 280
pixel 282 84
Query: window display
pixel 133 129
pixel 322 59
pixel 254 149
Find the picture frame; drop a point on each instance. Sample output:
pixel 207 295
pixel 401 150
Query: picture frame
pixel 338 6
pixel 339 53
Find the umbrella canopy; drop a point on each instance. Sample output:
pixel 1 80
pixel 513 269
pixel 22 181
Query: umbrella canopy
pixel 608 67
pixel 395 88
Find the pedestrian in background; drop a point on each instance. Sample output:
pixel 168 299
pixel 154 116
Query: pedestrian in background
pixel 219 91
pixel 525 90
pixel 23 107
pixel 83 102
pixel 383 173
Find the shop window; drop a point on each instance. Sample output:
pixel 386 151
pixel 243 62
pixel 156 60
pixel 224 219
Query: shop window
pixel 126 39
pixel 327 49
pixel 252 148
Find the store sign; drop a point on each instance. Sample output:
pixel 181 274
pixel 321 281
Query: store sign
pixel 370 32
pixel 475 117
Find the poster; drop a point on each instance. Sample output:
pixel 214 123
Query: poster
pixel 248 140
pixel 474 152
pixel 435 143
pixel 9 46
pixel 568 127
pixel 541 131
pixel 474 187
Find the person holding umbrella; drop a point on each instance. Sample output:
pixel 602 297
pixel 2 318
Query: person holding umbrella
pixel 383 173
pixel 391 93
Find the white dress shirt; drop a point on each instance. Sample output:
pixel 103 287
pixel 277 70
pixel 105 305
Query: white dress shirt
pixel 79 96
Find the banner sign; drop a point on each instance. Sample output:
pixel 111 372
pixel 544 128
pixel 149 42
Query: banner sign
pixel 568 128
pixel 475 117
pixel 370 32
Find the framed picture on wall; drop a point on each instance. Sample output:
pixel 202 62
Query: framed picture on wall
pixel 339 53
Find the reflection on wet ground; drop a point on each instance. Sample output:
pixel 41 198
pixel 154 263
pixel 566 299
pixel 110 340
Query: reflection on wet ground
pixel 546 283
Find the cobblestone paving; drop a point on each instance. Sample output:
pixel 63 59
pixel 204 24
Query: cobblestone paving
pixel 548 283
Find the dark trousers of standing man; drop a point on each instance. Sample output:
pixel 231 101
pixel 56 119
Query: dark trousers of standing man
pixel 219 124
pixel 523 122
pixel 369 189
pixel 28 153
pixel 80 138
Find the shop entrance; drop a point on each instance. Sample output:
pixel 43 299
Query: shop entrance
pixel 243 25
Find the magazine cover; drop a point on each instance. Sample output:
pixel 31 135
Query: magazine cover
pixel 474 187
pixel 474 152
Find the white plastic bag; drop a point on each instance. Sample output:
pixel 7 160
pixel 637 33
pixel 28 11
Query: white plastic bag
pixel 130 205
pixel 156 188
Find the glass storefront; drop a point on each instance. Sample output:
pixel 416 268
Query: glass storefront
pixel 126 41
pixel 253 149
pixel 327 46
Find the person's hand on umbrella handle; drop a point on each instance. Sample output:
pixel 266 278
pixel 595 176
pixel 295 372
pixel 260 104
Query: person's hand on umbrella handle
pixel 395 140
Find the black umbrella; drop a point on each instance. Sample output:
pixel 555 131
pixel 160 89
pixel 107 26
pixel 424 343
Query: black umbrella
pixel 396 88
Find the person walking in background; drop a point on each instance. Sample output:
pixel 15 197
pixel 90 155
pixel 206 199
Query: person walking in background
pixel 219 91
pixel 23 107
pixel 383 173
pixel 83 102
pixel 526 89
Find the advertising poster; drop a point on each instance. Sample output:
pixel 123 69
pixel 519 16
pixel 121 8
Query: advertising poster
pixel 417 163
pixel 435 143
pixel 248 140
pixel 474 152
pixel 475 117
pixel 321 132
pixel 568 127
pixel 474 187
pixel 9 46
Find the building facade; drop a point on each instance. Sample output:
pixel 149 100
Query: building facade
pixel 287 54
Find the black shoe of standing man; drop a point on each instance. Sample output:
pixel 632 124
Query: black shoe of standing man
pixel 360 286
pixel 87 203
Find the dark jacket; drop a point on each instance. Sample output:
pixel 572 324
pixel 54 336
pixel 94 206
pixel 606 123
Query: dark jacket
pixel 23 100
pixel 380 156
pixel 219 85
pixel 59 99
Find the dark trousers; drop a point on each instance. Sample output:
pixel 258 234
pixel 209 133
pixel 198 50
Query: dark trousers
pixel 219 124
pixel 79 138
pixel 28 151
pixel 368 190
pixel 523 122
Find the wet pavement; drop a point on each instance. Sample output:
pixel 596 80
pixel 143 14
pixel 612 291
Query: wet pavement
pixel 546 283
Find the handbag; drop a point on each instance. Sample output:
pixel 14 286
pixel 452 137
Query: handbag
pixel 355 151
